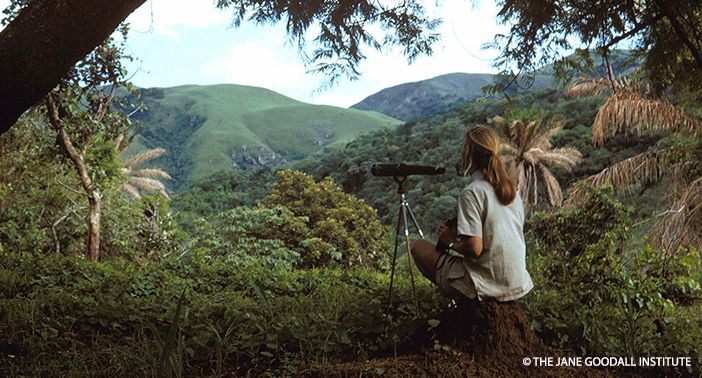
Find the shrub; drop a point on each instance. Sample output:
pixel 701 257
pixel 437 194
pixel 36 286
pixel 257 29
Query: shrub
pixel 343 221
pixel 118 317
pixel 595 297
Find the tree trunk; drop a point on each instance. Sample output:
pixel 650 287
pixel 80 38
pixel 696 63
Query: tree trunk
pixel 94 225
pixel 52 106
pixel 45 40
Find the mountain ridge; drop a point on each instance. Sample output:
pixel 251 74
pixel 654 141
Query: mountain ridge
pixel 427 97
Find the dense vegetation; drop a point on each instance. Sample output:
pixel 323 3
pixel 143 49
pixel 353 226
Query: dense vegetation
pixel 286 273
pixel 215 310
pixel 437 140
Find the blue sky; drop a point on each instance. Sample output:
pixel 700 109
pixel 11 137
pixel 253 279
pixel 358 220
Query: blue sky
pixel 177 42
pixel 191 42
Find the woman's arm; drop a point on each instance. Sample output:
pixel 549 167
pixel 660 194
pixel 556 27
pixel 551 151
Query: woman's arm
pixel 469 245
pixel 466 245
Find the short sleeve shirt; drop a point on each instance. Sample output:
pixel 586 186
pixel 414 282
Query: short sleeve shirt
pixel 500 271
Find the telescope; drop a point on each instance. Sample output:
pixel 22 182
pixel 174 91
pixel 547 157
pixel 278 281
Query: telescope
pixel 399 172
pixel 404 170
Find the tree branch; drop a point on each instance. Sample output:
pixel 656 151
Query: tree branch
pixel 65 141
pixel 633 31
pixel 675 23
pixel 55 35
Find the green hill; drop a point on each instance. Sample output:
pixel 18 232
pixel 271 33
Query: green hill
pixel 209 128
pixel 428 97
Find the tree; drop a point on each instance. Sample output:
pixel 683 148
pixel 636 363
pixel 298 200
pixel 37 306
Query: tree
pixel 632 107
pixel 79 112
pixel 527 146
pixel 54 35
pixel 665 33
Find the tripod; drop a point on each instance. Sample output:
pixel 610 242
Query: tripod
pixel 404 213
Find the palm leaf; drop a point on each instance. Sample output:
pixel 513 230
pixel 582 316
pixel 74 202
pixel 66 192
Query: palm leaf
pixel 565 157
pixel 555 196
pixel 630 111
pixel 682 223
pixel 543 139
pixel 144 157
pixel 151 173
pixel 131 190
pixel 147 184
pixel 594 87
pixel 643 168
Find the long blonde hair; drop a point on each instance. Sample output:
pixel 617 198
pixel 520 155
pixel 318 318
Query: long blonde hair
pixel 480 152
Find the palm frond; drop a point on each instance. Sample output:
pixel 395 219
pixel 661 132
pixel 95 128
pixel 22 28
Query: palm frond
pixel 522 180
pixel 594 87
pixel 643 168
pixel 131 190
pixel 681 225
pixel 555 196
pixel 630 111
pixel 543 139
pixel 147 184
pixel 564 157
pixel 144 157
pixel 151 173
pixel 508 149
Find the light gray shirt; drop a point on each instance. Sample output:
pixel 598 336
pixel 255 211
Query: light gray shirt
pixel 500 272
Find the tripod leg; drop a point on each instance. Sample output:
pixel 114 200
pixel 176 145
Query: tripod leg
pixel 414 221
pixel 410 258
pixel 394 256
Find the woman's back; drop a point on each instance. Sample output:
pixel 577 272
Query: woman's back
pixel 500 270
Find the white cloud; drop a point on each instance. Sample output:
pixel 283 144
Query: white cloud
pixel 259 58
pixel 188 42
pixel 258 64
pixel 167 17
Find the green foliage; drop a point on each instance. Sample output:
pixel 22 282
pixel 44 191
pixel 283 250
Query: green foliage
pixel 596 297
pixel 203 318
pixel 42 208
pixel 271 237
pixel 437 141
pixel 222 191
pixel 663 33
pixel 346 229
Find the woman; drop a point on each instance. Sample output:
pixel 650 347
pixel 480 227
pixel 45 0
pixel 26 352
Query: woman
pixel 489 233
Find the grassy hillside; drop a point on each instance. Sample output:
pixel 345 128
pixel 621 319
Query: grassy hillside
pixel 427 97
pixel 210 128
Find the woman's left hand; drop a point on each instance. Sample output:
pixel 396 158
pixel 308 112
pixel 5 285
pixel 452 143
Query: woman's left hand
pixel 445 234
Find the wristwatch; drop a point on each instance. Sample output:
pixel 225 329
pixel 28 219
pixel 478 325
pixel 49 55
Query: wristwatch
pixel 450 246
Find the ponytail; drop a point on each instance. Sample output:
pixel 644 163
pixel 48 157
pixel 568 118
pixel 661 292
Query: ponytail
pixel 480 152
pixel 496 174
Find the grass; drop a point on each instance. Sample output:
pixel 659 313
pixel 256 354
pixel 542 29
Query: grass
pixel 202 127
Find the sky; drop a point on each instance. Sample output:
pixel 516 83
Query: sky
pixel 177 42
pixel 180 42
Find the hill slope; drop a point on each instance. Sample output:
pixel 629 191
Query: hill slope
pixel 427 97
pixel 210 128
